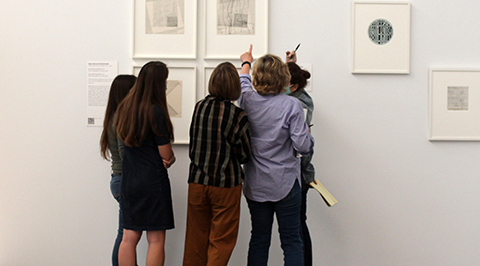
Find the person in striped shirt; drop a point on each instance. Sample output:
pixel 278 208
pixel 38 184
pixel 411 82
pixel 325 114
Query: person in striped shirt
pixel 219 145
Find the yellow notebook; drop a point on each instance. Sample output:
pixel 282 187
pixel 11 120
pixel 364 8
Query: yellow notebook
pixel 327 197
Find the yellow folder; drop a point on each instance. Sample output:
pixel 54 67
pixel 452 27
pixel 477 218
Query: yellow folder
pixel 327 197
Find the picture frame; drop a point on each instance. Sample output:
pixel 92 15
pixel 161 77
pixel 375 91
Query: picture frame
pixel 380 37
pixel 181 99
pixel 165 29
pixel 454 104
pixel 231 28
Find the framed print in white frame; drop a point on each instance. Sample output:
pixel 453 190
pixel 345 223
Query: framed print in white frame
pixel 454 104
pixel 181 99
pixel 207 72
pixel 232 25
pixel 165 29
pixel 381 37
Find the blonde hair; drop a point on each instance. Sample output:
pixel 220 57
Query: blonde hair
pixel 270 75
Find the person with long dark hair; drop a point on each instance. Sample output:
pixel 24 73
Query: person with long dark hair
pixel 144 125
pixel 111 148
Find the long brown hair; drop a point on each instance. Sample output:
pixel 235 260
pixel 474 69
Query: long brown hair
pixel 120 87
pixel 135 115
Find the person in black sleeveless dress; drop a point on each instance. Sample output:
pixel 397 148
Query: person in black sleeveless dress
pixel 143 124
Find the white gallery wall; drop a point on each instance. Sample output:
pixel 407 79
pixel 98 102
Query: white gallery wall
pixel 403 200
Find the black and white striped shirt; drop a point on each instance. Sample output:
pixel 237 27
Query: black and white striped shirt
pixel 219 143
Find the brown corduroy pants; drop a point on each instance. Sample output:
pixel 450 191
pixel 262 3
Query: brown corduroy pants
pixel 212 224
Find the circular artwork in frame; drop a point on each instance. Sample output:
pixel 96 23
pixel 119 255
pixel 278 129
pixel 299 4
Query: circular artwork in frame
pixel 380 31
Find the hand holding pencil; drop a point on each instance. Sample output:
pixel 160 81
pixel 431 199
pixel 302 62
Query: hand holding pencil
pixel 292 56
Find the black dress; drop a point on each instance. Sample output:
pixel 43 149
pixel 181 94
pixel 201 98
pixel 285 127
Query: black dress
pixel 146 200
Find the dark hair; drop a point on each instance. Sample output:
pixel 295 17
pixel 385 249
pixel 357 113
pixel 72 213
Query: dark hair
pixel 270 75
pixel 299 76
pixel 119 89
pixel 225 82
pixel 136 115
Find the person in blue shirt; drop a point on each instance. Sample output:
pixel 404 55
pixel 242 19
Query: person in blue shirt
pixel 272 177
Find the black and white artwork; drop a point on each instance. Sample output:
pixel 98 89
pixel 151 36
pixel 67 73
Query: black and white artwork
pixel 457 98
pixel 380 37
pixel 454 104
pixel 165 29
pixel 232 25
pixel 236 17
pixel 164 17
pixel 380 31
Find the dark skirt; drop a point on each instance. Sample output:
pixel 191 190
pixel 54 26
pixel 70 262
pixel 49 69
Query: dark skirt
pixel 146 200
pixel 147 209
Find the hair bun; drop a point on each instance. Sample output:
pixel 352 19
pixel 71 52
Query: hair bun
pixel 306 74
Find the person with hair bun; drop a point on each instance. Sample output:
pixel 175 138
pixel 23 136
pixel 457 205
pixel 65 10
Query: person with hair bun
pixel 298 81
pixel 273 182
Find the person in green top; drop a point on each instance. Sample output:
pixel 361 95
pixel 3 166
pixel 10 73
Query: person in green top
pixel 111 147
pixel 298 81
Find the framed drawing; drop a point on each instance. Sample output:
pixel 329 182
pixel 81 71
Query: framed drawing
pixel 165 29
pixel 181 99
pixel 381 37
pixel 207 72
pixel 454 104
pixel 232 25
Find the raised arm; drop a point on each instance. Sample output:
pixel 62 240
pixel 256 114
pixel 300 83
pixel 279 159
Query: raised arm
pixel 245 79
pixel 246 57
pixel 291 57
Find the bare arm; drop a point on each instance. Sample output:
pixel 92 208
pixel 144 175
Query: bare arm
pixel 167 155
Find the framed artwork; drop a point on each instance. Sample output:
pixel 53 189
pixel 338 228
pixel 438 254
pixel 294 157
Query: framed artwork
pixel 381 37
pixel 454 104
pixel 181 99
pixel 232 25
pixel 207 72
pixel 165 29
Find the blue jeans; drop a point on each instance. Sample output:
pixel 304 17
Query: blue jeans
pixel 115 185
pixel 287 211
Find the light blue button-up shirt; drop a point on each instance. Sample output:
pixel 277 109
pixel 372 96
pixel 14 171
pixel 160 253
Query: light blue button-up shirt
pixel 278 132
